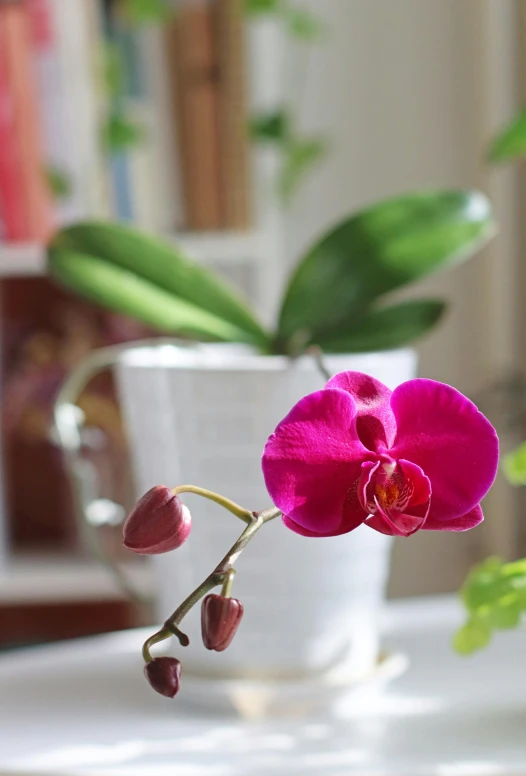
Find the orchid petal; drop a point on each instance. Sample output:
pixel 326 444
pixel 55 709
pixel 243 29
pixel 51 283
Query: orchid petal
pixel 376 423
pixel 311 463
pixel 473 518
pixel 443 432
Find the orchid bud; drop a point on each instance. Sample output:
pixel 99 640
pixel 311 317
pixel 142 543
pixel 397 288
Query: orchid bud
pixel 158 523
pixel 164 674
pixel 220 618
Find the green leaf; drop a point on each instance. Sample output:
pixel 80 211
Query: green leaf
pixel 120 134
pixel 475 634
pixel 505 614
pixel 301 156
pixel 388 327
pixel 148 11
pixel 514 466
pixel 114 70
pixel 162 265
pixel 255 7
pixel 511 142
pixel 271 127
pixel 302 24
pixel 59 182
pixel 484 585
pixel 384 247
pixel 124 292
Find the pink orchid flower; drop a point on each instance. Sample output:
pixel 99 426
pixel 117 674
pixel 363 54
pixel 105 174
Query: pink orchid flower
pixel 419 457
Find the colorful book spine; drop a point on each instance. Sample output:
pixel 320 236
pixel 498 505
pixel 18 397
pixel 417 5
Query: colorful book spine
pixel 78 30
pixel 18 53
pixel 153 163
pixel 60 151
pixel 193 66
pixel 233 115
pixel 119 159
pixel 13 205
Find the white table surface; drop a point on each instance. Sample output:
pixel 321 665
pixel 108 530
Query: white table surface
pixel 84 708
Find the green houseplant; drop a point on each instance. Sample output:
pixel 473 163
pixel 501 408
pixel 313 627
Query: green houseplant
pixel 338 295
pixel 197 416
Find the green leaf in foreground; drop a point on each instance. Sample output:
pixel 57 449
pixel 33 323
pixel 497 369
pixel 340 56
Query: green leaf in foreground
pixel 475 634
pixel 388 327
pixel 511 142
pixel 514 466
pixel 494 595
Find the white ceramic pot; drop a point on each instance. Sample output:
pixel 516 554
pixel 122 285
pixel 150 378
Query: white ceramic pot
pixel 202 416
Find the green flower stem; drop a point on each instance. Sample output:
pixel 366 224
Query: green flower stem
pixel 155 639
pixel 243 514
pixel 220 576
pixel 227 584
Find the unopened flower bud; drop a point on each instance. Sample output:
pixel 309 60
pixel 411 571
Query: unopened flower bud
pixel 158 523
pixel 220 618
pixel 164 674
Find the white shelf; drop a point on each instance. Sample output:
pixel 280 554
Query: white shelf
pixel 231 248
pixel 34 579
pixel 22 260
pixel 221 247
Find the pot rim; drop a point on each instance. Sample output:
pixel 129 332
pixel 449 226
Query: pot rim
pixel 172 354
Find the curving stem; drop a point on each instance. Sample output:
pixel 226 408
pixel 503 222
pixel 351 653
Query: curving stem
pixel 244 514
pixel 221 575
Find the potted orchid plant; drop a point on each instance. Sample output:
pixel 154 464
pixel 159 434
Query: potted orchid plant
pixel 202 412
pixel 353 454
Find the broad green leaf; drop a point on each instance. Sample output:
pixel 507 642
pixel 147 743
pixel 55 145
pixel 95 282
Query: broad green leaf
pixel 511 142
pixel 384 247
pixel 300 157
pixel 514 466
pixel 475 634
pixel 124 292
pixel 389 327
pixel 163 266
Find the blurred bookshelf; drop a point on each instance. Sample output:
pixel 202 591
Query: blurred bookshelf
pixel 228 248
pixel 73 72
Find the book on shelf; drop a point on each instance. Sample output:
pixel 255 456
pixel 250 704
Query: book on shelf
pixel 193 62
pixel 233 122
pixel 32 200
pixel 183 87
pixel 12 204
